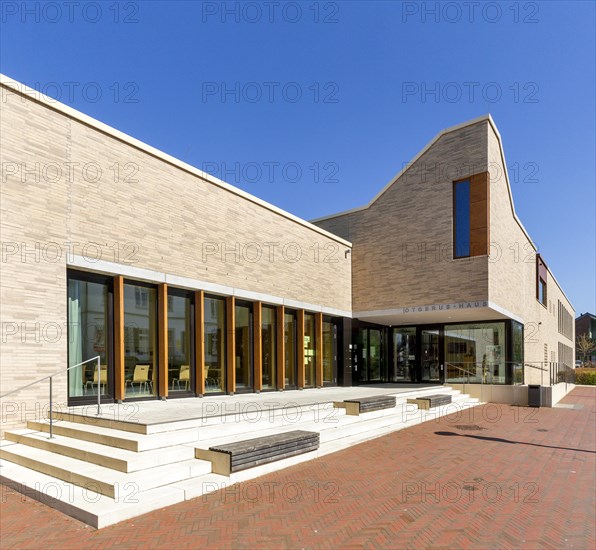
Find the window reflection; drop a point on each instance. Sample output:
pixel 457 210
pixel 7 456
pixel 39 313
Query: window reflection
pixel 268 347
pixel 475 353
pixel 140 340
pixel 215 345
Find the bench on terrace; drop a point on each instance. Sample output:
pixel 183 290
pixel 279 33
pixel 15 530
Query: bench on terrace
pixel 431 401
pixel 355 407
pixel 241 455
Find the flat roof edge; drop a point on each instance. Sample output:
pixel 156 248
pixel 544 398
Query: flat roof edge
pixel 24 90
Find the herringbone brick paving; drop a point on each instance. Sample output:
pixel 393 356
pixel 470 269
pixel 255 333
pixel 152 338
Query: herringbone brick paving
pixel 491 477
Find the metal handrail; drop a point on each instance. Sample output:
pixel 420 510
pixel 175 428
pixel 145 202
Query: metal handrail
pixel 469 373
pixel 51 377
pixel 535 367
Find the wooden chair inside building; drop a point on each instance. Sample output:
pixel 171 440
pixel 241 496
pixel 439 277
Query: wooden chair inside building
pixel 213 380
pixel 103 378
pixel 183 376
pixel 141 377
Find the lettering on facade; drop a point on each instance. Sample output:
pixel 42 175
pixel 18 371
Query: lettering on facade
pixel 444 307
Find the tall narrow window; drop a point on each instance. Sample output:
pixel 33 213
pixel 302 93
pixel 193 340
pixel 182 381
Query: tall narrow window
pixel 517 352
pixel 244 347
pixel 215 345
pixel 542 291
pixel 180 341
pixel 290 335
pixel 140 340
pixel 309 350
pixel 268 347
pixel 541 279
pixel 329 352
pixel 89 334
pixel 461 219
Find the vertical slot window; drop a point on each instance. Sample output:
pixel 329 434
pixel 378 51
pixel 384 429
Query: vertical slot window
pixel 461 219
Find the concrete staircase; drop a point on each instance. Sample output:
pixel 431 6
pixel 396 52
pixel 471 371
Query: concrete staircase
pixel 104 471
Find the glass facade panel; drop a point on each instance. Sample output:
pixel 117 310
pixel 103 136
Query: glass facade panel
pixel 140 340
pixel 244 347
pixel 517 352
pixel 461 219
pixel 430 355
pixel 404 355
pixel 475 353
pixel 180 343
pixel 329 352
pixel 375 343
pixel 363 375
pixel 310 352
pixel 268 347
pixel 88 336
pixel 290 332
pixel 373 367
pixel 215 344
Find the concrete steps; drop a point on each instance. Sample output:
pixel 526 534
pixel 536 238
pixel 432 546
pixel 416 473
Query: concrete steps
pixel 335 427
pixel 110 457
pixel 103 471
pixel 99 479
pixel 115 438
pixel 82 503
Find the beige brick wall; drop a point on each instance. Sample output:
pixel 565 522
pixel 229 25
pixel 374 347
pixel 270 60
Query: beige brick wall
pixel 402 245
pixel 162 216
pixel 32 289
pixel 512 274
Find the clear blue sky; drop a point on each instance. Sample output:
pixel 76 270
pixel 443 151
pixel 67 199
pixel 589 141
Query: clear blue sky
pixel 326 100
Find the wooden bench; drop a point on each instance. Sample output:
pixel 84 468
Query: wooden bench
pixel 431 401
pixel 355 407
pixel 241 455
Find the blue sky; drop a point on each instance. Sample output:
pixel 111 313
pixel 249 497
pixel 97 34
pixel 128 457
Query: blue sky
pixel 315 106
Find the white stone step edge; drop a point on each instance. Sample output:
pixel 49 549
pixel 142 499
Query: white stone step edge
pixel 100 511
pixel 83 504
pixel 97 478
pixel 258 405
pixel 324 412
pixel 391 416
pixel 116 438
pixel 114 458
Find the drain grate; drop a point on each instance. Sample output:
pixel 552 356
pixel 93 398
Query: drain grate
pixel 541 430
pixel 470 427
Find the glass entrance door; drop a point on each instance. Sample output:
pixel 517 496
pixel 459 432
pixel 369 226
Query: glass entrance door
pixel 431 360
pixel 372 368
pixel 404 355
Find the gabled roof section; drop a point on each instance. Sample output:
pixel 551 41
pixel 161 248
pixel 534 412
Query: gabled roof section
pixel 488 118
pixel 482 118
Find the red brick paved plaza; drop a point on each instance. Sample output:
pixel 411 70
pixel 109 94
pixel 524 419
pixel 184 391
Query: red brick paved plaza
pixel 496 477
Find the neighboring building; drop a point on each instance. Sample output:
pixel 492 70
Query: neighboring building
pixel 184 285
pixel 586 324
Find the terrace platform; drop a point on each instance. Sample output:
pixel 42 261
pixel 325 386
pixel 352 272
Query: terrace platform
pixel 137 457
